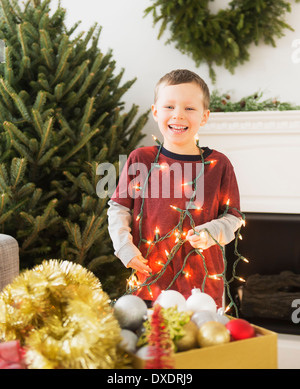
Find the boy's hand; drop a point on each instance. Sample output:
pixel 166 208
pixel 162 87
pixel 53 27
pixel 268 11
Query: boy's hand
pixel 197 241
pixel 139 263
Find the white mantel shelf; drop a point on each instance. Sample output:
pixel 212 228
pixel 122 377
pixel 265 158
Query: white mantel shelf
pixel 264 148
pixel 258 122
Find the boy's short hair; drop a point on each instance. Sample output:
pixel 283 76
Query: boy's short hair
pixel 184 76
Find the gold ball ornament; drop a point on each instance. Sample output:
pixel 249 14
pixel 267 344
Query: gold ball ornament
pixel 212 333
pixel 189 340
pixel 62 318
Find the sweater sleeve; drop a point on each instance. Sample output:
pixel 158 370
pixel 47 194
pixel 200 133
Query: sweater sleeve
pixel 221 229
pixel 119 220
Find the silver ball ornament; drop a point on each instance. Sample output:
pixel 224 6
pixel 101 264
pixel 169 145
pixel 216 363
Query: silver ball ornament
pixel 220 317
pixel 129 341
pixel 130 312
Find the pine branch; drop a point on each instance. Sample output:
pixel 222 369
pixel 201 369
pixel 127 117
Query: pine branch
pixel 17 171
pixel 6 12
pixel 46 137
pixel 15 133
pixel 80 145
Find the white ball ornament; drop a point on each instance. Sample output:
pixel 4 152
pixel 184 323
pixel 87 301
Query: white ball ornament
pixel 171 298
pixel 199 301
pixel 201 317
pixel 130 311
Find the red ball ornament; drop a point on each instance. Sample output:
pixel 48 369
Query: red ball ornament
pixel 240 329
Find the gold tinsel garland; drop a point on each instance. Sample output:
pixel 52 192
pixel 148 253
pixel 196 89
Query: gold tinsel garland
pixel 62 318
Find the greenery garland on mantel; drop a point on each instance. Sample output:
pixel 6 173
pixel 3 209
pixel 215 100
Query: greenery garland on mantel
pixel 221 102
pixel 221 38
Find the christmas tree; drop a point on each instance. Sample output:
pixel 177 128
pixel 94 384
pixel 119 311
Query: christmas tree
pixel 60 117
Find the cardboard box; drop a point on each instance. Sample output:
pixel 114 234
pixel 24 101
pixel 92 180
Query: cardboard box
pixel 259 352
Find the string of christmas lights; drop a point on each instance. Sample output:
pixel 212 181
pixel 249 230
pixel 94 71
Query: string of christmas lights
pixel 180 238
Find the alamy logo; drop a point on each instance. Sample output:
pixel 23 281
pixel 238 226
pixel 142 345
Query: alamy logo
pixel 158 181
pixel 296 313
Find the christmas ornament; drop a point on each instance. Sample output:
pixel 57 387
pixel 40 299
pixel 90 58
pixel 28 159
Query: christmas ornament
pixel 130 311
pixel 240 329
pixel 189 339
pixel 143 353
pixel 171 298
pixel 129 341
pixel 173 320
pixel 212 333
pixel 62 318
pixel 199 301
pixel 202 317
pixel 220 317
pixel 160 344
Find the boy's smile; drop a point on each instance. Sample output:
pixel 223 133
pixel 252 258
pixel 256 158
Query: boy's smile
pixel 177 129
pixel 179 113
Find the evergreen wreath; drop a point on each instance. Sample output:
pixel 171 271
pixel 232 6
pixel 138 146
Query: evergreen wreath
pixel 221 38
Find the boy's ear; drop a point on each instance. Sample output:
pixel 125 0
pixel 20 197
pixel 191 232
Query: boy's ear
pixel 154 112
pixel 205 117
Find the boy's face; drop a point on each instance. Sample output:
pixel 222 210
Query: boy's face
pixel 179 113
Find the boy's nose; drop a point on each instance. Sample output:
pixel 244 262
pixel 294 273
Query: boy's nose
pixel 178 114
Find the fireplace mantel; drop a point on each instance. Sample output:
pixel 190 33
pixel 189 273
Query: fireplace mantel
pixel 264 148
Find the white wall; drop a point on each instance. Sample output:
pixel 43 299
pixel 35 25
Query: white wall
pixel 136 48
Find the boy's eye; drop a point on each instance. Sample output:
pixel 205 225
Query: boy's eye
pixel 169 106
pixel 190 109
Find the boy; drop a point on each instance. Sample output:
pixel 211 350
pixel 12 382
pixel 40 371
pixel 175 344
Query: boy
pixel 153 238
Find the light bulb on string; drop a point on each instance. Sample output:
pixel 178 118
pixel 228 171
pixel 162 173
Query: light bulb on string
pixel 150 291
pixel 202 234
pixel 240 279
pixel 176 209
pixel 137 187
pixel 186 274
pixel 156 231
pixel 156 140
pixel 163 166
pixel 187 183
pixel 132 281
pixel 210 162
pixel 245 259
pixel 227 308
pixel 214 277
